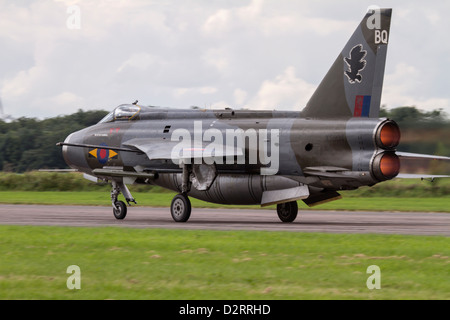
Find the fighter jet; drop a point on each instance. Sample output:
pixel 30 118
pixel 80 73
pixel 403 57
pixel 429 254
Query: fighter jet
pixel 337 142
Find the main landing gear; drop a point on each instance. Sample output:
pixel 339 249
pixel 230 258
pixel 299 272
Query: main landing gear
pixel 287 212
pixel 180 208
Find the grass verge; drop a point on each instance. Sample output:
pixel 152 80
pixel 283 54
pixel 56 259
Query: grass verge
pixel 121 263
pixel 441 204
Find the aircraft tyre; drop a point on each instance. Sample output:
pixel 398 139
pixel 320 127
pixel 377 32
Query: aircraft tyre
pixel 180 208
pixel 287 212
pixel 120 210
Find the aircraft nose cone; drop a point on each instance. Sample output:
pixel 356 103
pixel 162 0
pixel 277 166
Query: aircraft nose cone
pixel 65 151
pixel 74 156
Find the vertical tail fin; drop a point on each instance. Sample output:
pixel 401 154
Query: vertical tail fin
pixel 353 85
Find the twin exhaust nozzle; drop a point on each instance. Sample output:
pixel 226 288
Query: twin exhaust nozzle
pixel 386 165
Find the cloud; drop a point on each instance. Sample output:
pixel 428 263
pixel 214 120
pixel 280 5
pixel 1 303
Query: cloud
pixel 140 60
pixel 217 58
pixel 404 87
pixel 202 90
pixel 285 92
pixel 255 54
pixel 240 96
pixel 226 20
pixel 22 82
pixel 63 101
pixel 271 19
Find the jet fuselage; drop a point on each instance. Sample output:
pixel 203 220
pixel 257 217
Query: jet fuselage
pixel 280 150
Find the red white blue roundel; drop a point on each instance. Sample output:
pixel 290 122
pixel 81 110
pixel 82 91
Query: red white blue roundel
pixel 103 155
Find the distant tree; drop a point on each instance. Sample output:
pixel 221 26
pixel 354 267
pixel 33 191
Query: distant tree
pixel 409 117
pixel 422 131
pixel 29 144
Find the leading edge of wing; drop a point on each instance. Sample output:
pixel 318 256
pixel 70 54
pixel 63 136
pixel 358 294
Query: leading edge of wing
pixel 93 146
pixel 408 155
pixel 155 149
pixel 414 157
pixel 420 176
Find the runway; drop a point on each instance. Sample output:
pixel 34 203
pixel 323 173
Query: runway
pixel 413 223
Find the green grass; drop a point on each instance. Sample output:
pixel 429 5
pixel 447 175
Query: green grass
pixel 53 181
pixel 157 199
pixel 122 263
pixel 72 188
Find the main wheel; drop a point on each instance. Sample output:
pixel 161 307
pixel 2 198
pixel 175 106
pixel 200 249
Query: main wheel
pixel 120 210
pixel 180 208
pixel 287 212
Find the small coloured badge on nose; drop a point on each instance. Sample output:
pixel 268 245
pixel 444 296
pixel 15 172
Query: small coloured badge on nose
pixel 103 155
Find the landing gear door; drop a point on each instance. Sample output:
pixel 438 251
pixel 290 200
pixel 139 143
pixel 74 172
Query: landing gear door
pixel 203 176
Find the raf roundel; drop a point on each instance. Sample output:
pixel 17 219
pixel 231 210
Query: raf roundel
pixel 103 155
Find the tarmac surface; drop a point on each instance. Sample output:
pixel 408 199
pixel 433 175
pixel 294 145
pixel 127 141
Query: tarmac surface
pixel 413 223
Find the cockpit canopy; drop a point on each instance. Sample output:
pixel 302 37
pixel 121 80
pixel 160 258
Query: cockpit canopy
pixel 123 112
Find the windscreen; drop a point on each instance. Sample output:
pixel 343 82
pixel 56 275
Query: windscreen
pixel 122 112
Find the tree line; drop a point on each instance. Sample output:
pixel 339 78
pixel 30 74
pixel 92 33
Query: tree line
pixel 422 131
pixel 411 117
pixel 28 144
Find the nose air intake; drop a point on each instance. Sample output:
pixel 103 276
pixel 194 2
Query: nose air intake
pixel 65 150
pixel 74 156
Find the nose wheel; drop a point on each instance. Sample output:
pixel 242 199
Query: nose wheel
pixel 180 208
pixel 120 210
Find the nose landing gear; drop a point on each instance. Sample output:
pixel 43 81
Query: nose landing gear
pixel 119 210
pixel 119 207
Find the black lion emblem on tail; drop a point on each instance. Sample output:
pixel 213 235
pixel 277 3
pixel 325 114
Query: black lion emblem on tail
pixel 356 64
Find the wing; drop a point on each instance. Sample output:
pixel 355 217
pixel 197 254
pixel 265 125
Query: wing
pixel 420 176
pixel 407 155
pixel 93 146
pixel 155 149
pixel 411 162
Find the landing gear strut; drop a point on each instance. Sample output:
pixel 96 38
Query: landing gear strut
pixel 119 207
pixel 180 208
pixel 287 212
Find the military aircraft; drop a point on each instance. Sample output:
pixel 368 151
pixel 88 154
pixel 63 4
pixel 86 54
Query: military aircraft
pixel 337 142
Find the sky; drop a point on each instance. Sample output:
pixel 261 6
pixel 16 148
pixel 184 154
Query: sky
pixel 59 56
